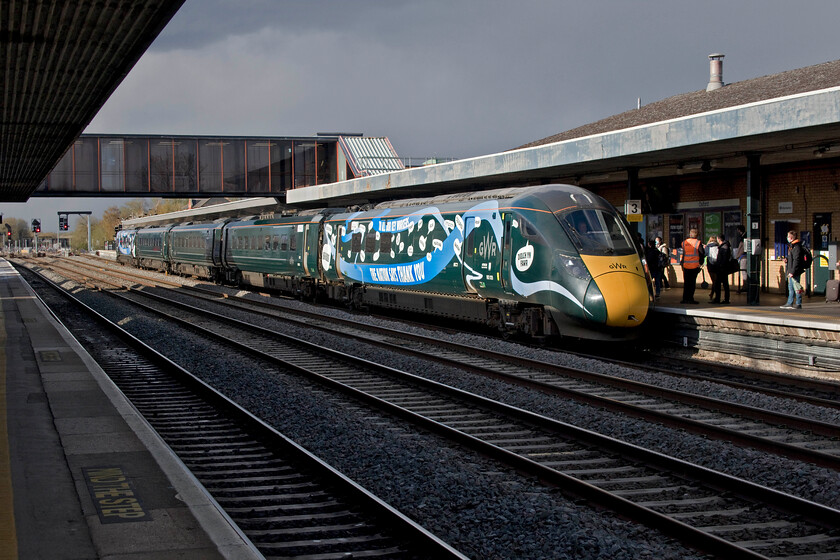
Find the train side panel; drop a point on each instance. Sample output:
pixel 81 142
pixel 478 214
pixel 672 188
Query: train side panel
pixel 418 248
pixel 192 249
pixel 151 247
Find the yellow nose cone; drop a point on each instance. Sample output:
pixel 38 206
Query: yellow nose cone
pixel 623 285
pixel 626 298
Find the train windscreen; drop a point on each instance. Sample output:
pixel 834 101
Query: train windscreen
pixel 596 232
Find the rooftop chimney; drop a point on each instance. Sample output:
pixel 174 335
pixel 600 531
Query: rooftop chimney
pixel 715 72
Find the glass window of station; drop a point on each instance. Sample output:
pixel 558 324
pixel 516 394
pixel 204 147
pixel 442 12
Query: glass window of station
pixel 105 164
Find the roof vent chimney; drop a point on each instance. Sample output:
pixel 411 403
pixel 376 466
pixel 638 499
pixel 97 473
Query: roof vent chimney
pixel 715 72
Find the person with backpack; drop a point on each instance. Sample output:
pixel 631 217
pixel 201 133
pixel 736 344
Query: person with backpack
pixel 720 270
pixel 796 263
pixel 654 266
pixel 664 260
pixel 711 263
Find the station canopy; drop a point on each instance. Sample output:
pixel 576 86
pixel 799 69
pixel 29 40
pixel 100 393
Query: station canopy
pixel 60 63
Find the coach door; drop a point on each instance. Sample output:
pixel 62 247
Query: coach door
pixel 474 257
pixel 306 250
pixel 506 253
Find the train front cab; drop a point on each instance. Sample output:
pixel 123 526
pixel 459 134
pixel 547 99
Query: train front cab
pixel 618 294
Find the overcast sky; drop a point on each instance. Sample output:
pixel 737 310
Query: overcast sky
pixel 446 78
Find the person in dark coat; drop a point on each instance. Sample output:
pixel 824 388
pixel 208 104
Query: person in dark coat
pixel 652 259
pixel 719 270
pixel 795 266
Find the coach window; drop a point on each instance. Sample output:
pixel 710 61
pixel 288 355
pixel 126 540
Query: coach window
pixel 529 231
pixel 284 242
pixel 267 244
pixel 370 242
pixel 385 242
pixel 293 242
pixel 275 242
pixel 356 243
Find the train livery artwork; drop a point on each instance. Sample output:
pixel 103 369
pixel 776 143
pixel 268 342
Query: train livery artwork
pixel 547 260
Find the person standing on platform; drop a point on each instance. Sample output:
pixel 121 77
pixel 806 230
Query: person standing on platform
pixel 740 254
pixel 692 258
pixel 652 259
pixel 711 263
pixel 795 266
pixel 665 262
pixel 721 272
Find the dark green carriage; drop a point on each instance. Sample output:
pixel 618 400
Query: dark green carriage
pixel 151 246
pixel 196 249
pixel 268 252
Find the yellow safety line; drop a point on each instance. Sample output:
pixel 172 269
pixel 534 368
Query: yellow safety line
pixel 8 535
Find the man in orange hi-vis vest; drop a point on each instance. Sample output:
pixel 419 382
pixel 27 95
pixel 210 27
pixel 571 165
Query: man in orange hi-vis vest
pixel 693 255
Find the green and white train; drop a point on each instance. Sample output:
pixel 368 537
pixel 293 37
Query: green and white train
pixel 546 260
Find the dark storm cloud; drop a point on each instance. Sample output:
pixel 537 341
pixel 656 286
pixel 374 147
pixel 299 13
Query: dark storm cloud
pixel 468 77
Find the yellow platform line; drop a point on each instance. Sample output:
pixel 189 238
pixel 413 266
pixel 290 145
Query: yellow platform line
pixel 8 534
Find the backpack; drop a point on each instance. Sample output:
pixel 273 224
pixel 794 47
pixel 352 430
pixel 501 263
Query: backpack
pixel 807 258
pixel 664 260
pixel 733 266
pixel 711 255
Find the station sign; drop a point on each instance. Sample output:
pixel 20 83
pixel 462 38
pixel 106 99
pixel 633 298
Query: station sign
pixel 633 210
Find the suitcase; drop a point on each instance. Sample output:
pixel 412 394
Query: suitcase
pixel 832 290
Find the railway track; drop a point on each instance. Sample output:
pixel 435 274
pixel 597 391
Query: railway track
pixel 808 390
pixel 712 511
pixel 790 436
pixel 284 499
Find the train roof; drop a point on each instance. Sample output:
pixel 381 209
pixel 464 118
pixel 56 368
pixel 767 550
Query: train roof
pixel 555 196
pixel 504 193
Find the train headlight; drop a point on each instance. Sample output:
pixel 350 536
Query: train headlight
pixel 574 266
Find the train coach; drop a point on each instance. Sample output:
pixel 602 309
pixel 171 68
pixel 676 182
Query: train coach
pixel 547 260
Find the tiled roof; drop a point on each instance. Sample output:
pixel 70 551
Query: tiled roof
pixel 811 78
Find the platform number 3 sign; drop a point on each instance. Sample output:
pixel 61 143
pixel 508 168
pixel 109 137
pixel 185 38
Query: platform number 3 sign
pixel 633 210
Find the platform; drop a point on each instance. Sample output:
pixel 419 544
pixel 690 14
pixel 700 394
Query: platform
pixel 785 340
pixel 82 476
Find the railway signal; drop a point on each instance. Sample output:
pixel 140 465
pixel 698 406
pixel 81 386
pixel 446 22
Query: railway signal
pixel 8 231
pixel 36 226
